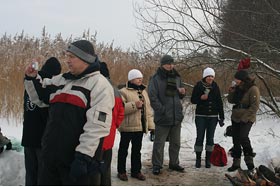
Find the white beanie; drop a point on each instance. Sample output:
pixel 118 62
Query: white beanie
pixel 134 74
pixel 208 72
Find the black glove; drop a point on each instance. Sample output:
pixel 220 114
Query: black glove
pixel 152 135
pixel 221 122
pixel 79 166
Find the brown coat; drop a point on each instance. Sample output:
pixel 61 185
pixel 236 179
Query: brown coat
pixel 251 100
pixel 132 119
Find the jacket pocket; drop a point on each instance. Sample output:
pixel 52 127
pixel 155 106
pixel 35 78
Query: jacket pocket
pixel 102 116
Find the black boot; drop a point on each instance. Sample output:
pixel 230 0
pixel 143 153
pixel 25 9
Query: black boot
pixel 249 160
pixel 207 159
pixel 9 146
pixel 235 165
pixel 198 160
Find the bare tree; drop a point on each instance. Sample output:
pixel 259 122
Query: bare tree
pixel 191 28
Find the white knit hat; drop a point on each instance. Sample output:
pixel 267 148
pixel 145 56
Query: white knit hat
pixel 208 72
pixel 134 74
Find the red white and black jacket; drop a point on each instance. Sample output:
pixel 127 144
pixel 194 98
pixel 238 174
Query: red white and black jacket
pixel 80 112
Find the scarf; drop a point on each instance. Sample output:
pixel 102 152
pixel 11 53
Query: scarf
pixel 171 87
pixel 170 76
pixel 206 87
pixel 141 97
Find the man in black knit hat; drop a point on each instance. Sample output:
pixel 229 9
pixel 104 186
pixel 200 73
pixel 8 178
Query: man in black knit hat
pixel 165 92
pixel 34 123
pixel 80 116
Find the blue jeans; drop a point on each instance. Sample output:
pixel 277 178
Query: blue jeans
pixel 208 125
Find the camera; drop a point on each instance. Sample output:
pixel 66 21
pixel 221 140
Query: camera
pixel 206 91
pixel 233 83
pixel 35 65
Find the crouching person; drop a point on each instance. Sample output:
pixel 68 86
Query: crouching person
pixel 80 116
pixel 4 141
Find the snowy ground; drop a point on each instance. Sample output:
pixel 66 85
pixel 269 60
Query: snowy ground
pixel 265 138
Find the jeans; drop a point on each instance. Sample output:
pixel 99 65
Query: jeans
pixel 208 125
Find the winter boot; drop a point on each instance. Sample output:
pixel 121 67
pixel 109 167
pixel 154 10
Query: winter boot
pixel 235 165
pixel 198 160
pixel 9 146
pixel 249 162
pixel 207 159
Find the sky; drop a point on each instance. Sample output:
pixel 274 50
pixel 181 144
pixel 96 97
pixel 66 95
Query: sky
pixel 264 135
pixel 112 20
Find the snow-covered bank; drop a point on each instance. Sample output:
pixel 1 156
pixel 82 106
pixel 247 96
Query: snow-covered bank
pixel 265 138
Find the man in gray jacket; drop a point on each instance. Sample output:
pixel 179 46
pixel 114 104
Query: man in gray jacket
pixel 165 92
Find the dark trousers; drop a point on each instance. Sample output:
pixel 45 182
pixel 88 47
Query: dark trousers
pixel 106 176
pixel 240 137
pixel 56 173
pixel 136 141
pixel 32 159
pixel 161 134
pixel 205 125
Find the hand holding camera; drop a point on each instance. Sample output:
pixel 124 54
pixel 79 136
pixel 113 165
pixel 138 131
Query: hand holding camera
pixel 32 69
pixel 35 66
pixel 232 87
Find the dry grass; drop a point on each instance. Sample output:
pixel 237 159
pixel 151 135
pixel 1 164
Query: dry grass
pixel 17 51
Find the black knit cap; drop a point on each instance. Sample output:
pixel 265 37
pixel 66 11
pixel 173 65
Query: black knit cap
pixel 241 75
pixel 84 50
pixel 166 59
pixel 51 67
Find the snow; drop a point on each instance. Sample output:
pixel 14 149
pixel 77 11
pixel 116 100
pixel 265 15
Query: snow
pixel 265 136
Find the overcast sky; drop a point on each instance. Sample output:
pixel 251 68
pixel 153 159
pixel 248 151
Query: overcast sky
pixel 112 19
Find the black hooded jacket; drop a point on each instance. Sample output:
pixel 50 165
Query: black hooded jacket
pixel 34 117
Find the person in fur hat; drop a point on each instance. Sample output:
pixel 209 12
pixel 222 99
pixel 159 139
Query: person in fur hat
pixel 34 123
pixel 245 96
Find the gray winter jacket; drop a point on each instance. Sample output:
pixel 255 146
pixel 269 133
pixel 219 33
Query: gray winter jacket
pixel 167 109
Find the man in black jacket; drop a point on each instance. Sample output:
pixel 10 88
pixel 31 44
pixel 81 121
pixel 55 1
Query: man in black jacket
pixel 34 123
pixel 165 93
